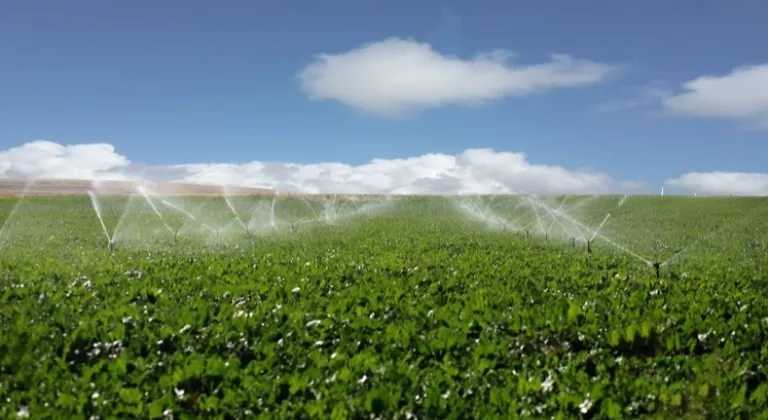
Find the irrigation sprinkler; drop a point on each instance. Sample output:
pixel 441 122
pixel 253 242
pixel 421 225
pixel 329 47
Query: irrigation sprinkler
pixel 573 242
pixel 589 252
pixel 657 267
pixel 111 246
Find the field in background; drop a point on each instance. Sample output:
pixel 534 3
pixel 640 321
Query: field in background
pixel 426 307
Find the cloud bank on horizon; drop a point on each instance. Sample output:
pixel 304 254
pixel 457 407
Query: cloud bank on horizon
pixel 474 171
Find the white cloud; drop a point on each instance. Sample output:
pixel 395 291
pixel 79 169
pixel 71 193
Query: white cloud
pixel 722 183
pixel 740 95
pixel 470 172
pixel 644 96
pixel 395 77
pixel 45 159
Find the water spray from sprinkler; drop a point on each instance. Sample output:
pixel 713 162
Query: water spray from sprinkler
pixel 97 210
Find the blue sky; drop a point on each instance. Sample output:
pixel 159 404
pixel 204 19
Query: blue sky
pixel 178 82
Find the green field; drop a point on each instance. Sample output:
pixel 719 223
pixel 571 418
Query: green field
pixel 405 308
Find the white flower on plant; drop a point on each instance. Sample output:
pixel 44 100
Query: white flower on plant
pixel 586 405
pixel 23 412
pixel 703 337
pixel 548 384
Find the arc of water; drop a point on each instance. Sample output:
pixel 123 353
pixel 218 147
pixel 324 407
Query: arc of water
pixel 273 219
pixel 328 213
pixel 312 209
pixel 188 214
pixel 538 222
pixel 24 192
pixel 536 213
pixel 551 225
pixel 679 254
pixel 581 203
pixel 518 218
pixel 512 213
pixel 597 231
pixel 567 231
pixel 144 194
pixel 622 200
pixel 603 237
pixel 97 209
pixel 234 212
pixel 126 206
pixel 472 208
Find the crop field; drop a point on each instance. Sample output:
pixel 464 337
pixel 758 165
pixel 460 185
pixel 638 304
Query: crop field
pixel 421 308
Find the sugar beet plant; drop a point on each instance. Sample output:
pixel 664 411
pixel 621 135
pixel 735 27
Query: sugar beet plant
pixel 419 311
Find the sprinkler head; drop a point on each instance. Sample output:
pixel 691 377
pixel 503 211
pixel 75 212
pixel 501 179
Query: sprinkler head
pixel 111 245
pixel 657 267
pixel 573 242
